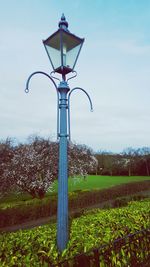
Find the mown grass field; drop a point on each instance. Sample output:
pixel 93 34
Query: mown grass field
pixel 92 182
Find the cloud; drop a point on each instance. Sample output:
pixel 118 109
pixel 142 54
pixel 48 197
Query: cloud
pixel 132 47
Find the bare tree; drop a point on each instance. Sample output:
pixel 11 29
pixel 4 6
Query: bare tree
pixel 129 154
pixel 144 152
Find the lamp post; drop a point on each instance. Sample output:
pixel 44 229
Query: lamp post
pixel 63 49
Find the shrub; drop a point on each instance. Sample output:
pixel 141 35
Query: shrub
pixel 35 209
pixel 37 247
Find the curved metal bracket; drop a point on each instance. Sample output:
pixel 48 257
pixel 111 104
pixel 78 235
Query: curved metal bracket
pixel 27 91
pixel 39 72
pixel 91 105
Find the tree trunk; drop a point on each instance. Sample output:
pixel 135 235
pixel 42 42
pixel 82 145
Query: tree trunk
pixel 147 169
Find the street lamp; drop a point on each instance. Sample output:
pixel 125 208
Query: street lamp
pixel 63 49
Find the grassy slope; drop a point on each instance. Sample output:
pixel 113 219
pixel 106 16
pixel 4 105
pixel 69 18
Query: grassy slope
pixel 100 182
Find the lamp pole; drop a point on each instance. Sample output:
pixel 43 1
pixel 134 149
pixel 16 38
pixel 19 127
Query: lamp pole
pixel 62 209
pixel 63 49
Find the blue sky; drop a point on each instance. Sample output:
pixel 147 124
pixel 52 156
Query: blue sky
pixel 114 68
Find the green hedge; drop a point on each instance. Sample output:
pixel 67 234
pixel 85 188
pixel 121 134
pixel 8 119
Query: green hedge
pixel 35 209
pixel 86 198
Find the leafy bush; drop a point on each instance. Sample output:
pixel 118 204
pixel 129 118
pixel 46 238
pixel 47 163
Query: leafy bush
pixel 120 202
pixel 37 247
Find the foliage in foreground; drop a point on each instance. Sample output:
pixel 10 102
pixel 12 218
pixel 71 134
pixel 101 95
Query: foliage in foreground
pixel 37 247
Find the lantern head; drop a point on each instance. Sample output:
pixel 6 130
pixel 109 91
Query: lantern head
pixel 63 48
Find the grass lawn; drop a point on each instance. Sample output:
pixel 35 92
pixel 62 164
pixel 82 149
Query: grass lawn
pixel 93 182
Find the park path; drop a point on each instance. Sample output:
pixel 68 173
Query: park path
pixel 45 220
pixel 28 224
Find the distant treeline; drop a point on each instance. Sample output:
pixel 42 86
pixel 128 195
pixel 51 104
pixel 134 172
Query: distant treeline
pixel 130 162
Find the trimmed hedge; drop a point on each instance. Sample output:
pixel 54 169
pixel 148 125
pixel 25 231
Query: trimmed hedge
pixel 87 198
pixel 35 209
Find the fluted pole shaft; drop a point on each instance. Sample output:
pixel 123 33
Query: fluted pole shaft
pixel 62 210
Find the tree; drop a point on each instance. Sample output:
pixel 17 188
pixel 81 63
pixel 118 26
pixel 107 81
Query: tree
pixel 34 166
pixel 144 154
pixel 6 155
pixel 129 154
pixel 100 156
pixel 108 163
pixel 81 160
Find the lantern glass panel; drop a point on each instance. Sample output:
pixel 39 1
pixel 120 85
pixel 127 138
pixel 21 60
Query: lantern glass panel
pixel 55 56
pixel 52 46
pixel 70 49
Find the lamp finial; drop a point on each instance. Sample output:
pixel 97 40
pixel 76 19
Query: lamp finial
pixel 63 24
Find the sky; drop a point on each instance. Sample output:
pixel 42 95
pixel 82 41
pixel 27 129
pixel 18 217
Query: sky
pixel 113 67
